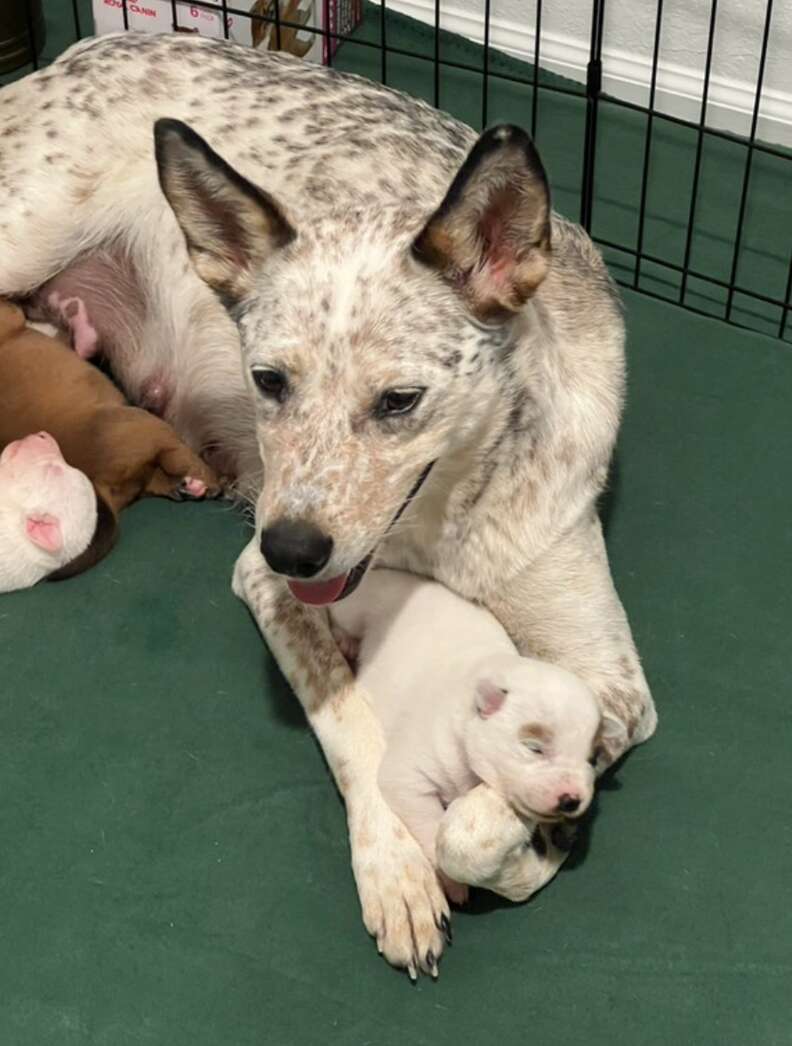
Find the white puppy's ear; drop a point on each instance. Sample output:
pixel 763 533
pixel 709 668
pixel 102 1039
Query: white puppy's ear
pixel 489 698
pixel 44 530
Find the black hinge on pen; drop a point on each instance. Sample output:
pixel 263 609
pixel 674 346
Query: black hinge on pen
pixel 594 78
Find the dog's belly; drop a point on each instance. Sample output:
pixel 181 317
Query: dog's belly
pixel 98 299
pixel 110 313
pixel 100 302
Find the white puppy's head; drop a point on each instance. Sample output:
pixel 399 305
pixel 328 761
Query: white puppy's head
pixel 534 736
pixel 48 511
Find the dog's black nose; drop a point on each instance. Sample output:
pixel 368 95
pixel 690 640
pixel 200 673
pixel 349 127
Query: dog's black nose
pixel 567 804
pixel 295 548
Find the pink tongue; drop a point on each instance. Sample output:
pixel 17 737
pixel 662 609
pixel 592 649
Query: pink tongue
pixel 320 592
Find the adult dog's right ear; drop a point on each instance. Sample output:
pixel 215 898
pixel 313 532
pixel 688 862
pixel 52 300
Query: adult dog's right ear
pixel 230 225
pixel 490 237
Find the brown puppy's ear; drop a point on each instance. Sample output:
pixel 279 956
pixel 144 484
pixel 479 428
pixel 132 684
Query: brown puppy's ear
pixel 490 237
pixel 12 319
pixel 102 542
pixel 231 226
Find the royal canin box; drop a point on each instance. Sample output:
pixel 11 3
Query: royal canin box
pixel 253 28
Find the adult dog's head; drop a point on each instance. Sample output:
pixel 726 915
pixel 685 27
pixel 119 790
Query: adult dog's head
pixel 373 340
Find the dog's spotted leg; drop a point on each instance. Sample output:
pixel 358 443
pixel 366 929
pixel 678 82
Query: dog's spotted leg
pixel 564 609
pixel 349 645
pixel 402 902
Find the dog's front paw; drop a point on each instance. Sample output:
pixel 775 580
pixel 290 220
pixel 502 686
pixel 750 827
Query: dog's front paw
pixel 247 566
pixel 404 907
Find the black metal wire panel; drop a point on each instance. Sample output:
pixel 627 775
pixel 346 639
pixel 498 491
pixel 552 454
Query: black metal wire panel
pixel 719 272
pixel 699 147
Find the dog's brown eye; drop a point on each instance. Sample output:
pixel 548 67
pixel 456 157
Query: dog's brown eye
pixel 270 383
pixel 398 401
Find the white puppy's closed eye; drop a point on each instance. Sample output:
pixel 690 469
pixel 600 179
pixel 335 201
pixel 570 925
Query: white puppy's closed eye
pixel 536 738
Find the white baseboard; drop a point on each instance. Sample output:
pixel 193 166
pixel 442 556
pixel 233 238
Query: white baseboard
pixel 625 75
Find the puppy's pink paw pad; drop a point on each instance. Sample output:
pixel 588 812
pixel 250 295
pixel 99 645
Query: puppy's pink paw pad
pixel 75 315
pixel 196 488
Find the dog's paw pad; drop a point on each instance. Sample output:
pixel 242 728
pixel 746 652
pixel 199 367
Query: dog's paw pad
pixel 193 488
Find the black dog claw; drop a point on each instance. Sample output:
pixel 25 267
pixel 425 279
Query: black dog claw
pixel 445 926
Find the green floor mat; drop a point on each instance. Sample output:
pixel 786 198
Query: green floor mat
pixel 175 869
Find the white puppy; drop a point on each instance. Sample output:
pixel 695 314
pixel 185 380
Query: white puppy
pixel 459 706
pixel 48 511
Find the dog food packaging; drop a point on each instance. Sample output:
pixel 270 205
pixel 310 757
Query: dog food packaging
pixel 254 29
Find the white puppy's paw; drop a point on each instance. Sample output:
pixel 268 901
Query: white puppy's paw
pixel 403 904
pixel 49 329
pixel 347 644
pixel 457 893
pixel 481 841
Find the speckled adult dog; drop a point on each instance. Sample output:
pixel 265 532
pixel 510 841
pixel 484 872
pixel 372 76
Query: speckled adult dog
pixel 432 364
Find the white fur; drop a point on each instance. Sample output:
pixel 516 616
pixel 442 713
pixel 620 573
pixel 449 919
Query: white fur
pixel 430 661
pixel 36 483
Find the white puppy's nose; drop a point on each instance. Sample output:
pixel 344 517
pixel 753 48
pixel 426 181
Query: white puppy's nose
pixel 568 803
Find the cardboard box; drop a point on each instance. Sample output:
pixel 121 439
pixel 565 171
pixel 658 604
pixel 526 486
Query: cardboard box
pixel 253 29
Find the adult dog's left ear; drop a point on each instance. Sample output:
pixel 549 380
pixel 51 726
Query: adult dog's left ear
pixel 490 237
pixel 231 226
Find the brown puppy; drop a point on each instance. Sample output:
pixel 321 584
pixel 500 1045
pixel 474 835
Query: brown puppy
pixel 126 452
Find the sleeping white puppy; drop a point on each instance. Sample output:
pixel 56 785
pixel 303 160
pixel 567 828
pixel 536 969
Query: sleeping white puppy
pixel 48 512
pixel 459 706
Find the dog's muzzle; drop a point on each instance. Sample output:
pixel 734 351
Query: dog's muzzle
pixel 299 550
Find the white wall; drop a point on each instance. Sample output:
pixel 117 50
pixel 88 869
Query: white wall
pixel 627 52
